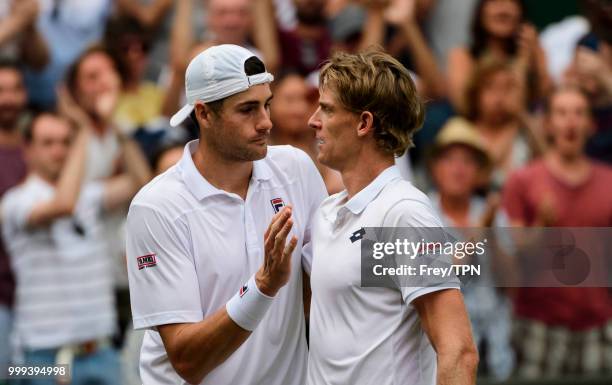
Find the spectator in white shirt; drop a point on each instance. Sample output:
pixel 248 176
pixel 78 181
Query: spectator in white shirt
pixel 64 306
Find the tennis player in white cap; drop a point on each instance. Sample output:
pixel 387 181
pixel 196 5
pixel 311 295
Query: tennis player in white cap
pixel 216 244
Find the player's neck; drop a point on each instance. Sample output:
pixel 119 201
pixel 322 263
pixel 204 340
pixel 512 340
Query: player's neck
pixel 229 176
pixel 359 174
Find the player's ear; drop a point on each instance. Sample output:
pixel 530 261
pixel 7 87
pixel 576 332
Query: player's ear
pixel 203 114
pixel 366 123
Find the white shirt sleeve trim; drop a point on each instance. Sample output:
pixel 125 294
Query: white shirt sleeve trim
pixel 427 290
pixel 149 321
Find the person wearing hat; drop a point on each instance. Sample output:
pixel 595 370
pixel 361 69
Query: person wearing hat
pixel 460 164
pixel 217 243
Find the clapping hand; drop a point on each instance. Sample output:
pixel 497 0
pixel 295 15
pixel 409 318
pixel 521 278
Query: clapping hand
pixel 276 269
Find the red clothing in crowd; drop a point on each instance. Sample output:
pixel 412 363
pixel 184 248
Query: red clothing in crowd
pixel 586 205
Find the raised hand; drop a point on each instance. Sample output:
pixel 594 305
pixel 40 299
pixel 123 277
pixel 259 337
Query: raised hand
pixel 25 10
pixel 589 62
pixel 374 4
pixel 106 102
pixel 527 41
pixel 546 214
pixel 69 108
pixel 276 269
pixel 400 12
pixel 488 216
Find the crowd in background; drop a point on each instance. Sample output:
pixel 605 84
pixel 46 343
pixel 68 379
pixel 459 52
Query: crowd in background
pixel 518 132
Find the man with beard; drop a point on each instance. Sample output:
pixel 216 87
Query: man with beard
pixel 13 100
pixel 216 244
pixel 562 189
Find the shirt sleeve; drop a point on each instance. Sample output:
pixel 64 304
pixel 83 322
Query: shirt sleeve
pixel 164 286
pixel 91 198
pixel 16 208
pixel 314 193
pixel 424 224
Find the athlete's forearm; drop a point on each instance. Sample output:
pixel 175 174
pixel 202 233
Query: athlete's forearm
pixel 424 60
pixel 196 349
pixel 446 322
pixel 458 368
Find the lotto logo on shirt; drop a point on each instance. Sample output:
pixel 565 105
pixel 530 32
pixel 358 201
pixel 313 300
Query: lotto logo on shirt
pixel 277 204
pixel 146 261
pixel 357 235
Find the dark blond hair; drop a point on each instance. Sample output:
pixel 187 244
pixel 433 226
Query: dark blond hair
pixel 374 81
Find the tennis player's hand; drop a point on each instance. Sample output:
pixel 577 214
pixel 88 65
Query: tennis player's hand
pixel 276 269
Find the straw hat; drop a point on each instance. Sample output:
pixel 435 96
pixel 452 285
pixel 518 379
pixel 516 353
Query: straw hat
pixel 461 131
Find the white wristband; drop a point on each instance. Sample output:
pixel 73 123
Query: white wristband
pixel 248 306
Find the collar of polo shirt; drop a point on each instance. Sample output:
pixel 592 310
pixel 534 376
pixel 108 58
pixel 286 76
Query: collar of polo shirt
pixel 199 186
pixel 361 200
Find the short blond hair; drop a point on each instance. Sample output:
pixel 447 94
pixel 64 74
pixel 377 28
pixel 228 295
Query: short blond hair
pixel 376 82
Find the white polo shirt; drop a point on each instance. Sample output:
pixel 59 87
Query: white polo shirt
pixel 191 246
pixel 366 335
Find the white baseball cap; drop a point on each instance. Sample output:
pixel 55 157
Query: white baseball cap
pixel 216 73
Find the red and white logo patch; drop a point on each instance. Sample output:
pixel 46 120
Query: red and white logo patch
pixel 148 260
pixel 277 204
pixel 243 290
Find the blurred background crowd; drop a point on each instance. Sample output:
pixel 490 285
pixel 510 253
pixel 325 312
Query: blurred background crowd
pixel 518 133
